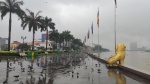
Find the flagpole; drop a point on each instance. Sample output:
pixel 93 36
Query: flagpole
pixel 115 23
pixel 89 39
pixel 115 29
pixel 98 41
pixel 92 37
pixel 89 43
pixel 98 31
pixel 92 43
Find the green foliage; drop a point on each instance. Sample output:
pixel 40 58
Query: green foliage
pixel 34 21
pixel 96 47
pixel 24 46
pixel 54 35
pixel 11 6
pixel 9 53
pixel 76 44
pixel 41 48
pixel 47 23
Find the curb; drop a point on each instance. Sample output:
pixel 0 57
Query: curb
pixel 138 73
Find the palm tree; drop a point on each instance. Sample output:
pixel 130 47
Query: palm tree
pixel 66 34
pixel 34 22
pixel 54 36
pixel 47 23
pixel 76 43
pixel 10 6
pixel 61 40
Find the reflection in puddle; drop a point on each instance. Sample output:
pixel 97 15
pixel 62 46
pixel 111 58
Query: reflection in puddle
pixel 120 78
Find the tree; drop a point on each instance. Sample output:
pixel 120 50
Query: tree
pixel 76 44
pixel 54 36
pixel 67 36
pixel 23 46
pixel 34 22
pixel 10 6
pixel 47 23
pixel 96 47
pixel 61 39
pixel 101 49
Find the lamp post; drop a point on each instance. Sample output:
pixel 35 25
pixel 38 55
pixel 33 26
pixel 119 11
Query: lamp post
pixel 23 38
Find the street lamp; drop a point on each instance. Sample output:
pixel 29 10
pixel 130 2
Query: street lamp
pixel 23 38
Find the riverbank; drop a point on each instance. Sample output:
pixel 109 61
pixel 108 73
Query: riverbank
pixel 125 68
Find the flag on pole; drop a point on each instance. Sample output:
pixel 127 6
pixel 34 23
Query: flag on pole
pixel 88 34
pixel 92 28
pixel 116 3
pixel 98 18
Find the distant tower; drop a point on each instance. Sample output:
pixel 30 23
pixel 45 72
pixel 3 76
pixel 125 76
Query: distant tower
pixel 43 37
pixel 133 46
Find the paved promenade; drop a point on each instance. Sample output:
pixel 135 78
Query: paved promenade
pixel 85 71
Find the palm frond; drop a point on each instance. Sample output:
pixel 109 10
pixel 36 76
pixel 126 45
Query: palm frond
pixel 7 1
pixel 3 4
pixel 19 12
pixel 25 24
pixel 37 14
pixel 4 11
pixel 30 25
pixel 28 11
pixel 18 3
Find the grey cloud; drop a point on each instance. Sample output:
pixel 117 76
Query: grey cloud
pixel 133 19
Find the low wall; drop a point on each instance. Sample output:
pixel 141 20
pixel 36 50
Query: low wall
pixel 136 72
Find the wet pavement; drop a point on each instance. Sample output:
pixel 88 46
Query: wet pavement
pixel 63 69
pixel 106 76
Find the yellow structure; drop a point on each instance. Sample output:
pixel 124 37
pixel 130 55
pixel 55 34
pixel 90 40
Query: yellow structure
pixel 120 78
pixel 14 44
pixel 119 57
pixel 32 56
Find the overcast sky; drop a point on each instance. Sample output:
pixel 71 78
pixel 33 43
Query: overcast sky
pixel 133 20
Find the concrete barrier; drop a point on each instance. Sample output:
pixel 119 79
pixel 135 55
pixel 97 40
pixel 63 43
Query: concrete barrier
pixel 136 72
pixel 22 54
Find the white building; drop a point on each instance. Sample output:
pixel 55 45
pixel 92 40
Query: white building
pixel 38 43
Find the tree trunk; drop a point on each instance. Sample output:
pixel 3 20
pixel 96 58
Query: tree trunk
pixel 33 40
pixel 9 35
pixel 46 37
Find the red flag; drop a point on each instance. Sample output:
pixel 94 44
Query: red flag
pixel 98 18
pixel 116 3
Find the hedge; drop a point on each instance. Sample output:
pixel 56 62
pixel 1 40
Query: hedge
pixel 9 53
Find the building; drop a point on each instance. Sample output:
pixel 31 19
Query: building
pixel 43 44
pixel 14 45
pixel 3 43
pixel 133 46
pixel 39 43
pixel 43 38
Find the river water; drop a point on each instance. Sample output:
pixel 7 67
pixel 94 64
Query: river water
pixel 138 60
